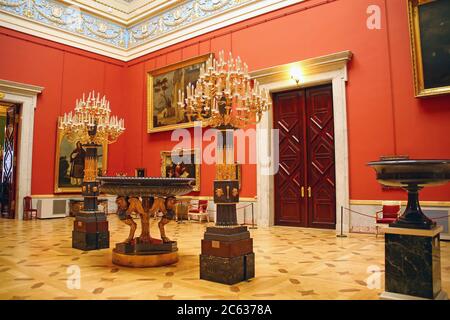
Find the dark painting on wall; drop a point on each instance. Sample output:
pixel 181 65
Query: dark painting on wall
pixel 69 164
pixel 430 40
pixel 183 163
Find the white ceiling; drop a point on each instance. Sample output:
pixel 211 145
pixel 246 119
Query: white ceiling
pixel 124 11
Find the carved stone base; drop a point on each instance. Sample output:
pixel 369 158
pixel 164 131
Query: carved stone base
pixel 144 260
pixel 90 241
pixel 155 246
pixel 227 255
pixel 396 296
pixel 227 270
pixel 90 231
pixel 152 254
pixel 412 258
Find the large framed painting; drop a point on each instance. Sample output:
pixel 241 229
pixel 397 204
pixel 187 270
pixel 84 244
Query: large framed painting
pixel 163 113
pixel 183 163
pixel 429 22
pixel 69 164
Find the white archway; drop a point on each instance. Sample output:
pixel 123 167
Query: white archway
pixel 26 96
pixel 326 69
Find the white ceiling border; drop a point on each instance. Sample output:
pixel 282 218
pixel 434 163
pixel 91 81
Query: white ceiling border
pixel 222 19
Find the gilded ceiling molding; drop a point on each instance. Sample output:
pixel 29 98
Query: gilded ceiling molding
pixel 68 19
pixel 66 22
pixel 73 19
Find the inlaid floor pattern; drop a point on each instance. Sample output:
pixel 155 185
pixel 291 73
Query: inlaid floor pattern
pixel 36 259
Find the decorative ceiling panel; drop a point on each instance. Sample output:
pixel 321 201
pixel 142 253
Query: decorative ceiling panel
pixel 167 23
pixel 123 11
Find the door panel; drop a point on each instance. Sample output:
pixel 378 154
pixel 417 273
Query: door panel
pixel 289 119
pixel 320 154
pixel 9 164
pixel 305 122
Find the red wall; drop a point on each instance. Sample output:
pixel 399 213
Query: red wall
pixel 383 115
pixel 65 73
pixel 384 118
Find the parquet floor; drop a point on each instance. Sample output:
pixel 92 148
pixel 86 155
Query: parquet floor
pixel 36 260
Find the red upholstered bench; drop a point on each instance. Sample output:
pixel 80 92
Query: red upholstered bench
pixel 388 214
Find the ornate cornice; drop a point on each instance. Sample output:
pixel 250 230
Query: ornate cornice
pixel 315 65
pixel 77 26
pixel 69 19
pixel 19 88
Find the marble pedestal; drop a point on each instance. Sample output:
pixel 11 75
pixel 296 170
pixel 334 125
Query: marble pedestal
pixel 413 264
pixel 90 231
pixel 227 255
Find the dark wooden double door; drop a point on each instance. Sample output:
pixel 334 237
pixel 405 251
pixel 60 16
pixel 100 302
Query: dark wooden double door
pixel 305 194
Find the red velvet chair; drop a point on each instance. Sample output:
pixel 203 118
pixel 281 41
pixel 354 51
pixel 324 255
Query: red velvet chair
pixel 389 214
pixel 28 211
pixel 199 209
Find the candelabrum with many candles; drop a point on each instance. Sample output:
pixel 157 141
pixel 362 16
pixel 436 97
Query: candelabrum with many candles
pixel 92 125
pixel 226 98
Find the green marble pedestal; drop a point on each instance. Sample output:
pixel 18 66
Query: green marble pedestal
pixel 413 264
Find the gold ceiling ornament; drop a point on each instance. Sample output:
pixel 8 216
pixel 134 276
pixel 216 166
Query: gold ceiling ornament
pixel 225 96
pixel 2 95
pixel 91 122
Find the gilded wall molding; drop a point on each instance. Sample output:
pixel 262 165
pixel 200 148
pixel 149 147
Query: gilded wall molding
pixel 64 21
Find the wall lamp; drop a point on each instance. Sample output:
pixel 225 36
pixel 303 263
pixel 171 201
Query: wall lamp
pixel 296 74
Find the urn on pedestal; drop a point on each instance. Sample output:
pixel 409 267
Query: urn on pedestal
pixel 412 243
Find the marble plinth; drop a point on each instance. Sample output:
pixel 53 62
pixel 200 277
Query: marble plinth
pixel 413 263
pixel 227 255
pixel 90 231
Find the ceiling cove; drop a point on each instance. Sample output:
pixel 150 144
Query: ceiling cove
pixel 127 29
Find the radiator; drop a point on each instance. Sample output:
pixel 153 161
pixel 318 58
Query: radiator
pixel 51 208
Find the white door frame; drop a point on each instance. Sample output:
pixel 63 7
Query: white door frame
pixel 326 69
pixel 26 96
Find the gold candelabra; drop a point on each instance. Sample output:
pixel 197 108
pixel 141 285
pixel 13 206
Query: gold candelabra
pixel 91 122
pixel 225 95
pixel 92 125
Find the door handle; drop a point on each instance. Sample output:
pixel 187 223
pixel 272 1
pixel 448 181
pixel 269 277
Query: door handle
pixel 302 191
pixel 309 192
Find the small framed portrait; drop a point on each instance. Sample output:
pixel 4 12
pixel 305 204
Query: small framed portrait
pixel 429 25
pixel 182 163
pixel 69 164
pixel 163 112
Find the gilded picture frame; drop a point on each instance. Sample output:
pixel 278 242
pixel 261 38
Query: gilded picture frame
pixel 71 181
pixel 180 168
pixel 429 28
pixel 163 85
